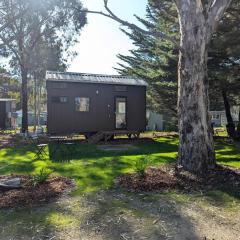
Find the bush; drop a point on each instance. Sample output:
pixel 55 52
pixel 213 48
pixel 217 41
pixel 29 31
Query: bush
pixel 41 177
pixel 141 165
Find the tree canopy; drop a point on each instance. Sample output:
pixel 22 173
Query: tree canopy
pixel 28 22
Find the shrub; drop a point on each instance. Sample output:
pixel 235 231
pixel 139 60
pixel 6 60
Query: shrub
pixel 41 177
pixel 141 165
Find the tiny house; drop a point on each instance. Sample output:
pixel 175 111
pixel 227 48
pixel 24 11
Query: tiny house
pixel 7 113
pixel 93 103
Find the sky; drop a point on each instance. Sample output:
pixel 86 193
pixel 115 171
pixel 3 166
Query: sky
pixel 101 39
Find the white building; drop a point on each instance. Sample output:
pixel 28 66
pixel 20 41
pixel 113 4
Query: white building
pixel 219 117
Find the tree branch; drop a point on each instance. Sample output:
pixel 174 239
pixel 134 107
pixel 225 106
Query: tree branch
pixel 134 27
pixel 215 13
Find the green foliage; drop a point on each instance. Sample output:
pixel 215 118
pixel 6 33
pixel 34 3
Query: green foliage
pixel 224 59
pixel 38 35
pixel 156 60
pixel 141 165
pixel 41 177
pixel 9 86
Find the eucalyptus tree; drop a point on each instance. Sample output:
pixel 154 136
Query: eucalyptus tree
pixel 48 54
pixel 155 60
pixel 198 21
pixel 36 19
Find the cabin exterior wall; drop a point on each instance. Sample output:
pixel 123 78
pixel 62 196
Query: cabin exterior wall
pixel 64 119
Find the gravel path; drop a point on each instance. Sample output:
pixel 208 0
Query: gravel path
pixel 118 215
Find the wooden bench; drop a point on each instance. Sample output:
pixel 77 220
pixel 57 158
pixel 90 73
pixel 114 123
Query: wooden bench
pixel 218 131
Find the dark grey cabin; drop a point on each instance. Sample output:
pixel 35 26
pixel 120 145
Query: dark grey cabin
pixel 91 103
pixel 7 113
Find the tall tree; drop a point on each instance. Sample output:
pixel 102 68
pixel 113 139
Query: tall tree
pixel 155 59
pixel 48 54
pixel 36 19
pixel 224 62
pixel 198 20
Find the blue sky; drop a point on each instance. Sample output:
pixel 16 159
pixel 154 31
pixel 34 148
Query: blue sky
pixel 101 40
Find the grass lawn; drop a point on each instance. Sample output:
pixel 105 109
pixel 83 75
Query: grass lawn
pixel 92 168
pixel 104 213
pixel 95 169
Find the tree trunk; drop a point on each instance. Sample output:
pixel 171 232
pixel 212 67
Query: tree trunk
pixel 238 126
pixel 24 101
pixel 230 124
pixel 39 102
pixel 196 147
pixel 35 102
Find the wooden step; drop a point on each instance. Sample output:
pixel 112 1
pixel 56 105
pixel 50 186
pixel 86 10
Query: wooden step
pixel 96 138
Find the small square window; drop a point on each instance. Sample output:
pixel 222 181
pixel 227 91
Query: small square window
pixel 82 104
pixel 59 85
pixel 59 99
pixel 120 88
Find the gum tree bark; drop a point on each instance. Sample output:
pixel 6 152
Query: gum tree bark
pixel 197 24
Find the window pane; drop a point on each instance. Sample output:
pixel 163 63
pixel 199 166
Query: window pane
pixel 58 99
pixel 121 122
pixel 82 104
pixel 120 88
pixel 59 85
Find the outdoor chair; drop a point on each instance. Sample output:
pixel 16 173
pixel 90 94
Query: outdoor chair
pixel 41 152
pixel 39 148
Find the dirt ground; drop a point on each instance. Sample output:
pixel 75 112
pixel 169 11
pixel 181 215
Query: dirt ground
pixel 115 214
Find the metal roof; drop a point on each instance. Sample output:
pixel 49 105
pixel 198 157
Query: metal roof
pixel 7 100
pixel 93 78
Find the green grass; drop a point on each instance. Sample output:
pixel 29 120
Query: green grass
pixel 228 154
pixel 94 169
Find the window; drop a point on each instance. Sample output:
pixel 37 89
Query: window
pixel 59 99
pixel 82 104
pixel 215 117
pixel 59 85
pixel 120 88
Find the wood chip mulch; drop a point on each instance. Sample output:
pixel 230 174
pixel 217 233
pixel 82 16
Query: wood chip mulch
pixel 162 179
pixel 29 195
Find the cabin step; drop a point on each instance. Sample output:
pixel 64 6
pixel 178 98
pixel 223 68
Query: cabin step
pixel 96 138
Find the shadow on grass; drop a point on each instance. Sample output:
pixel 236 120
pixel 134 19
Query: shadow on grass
pixel 92 168
pixel 109 215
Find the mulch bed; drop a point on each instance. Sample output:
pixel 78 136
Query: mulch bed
pixel 163 178
pixel 29 195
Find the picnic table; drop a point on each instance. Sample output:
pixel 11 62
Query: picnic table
pixel 219 131
pixel 58 139
pixel 62 146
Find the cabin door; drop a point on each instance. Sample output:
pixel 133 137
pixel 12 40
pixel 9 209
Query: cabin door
pixel 120 113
